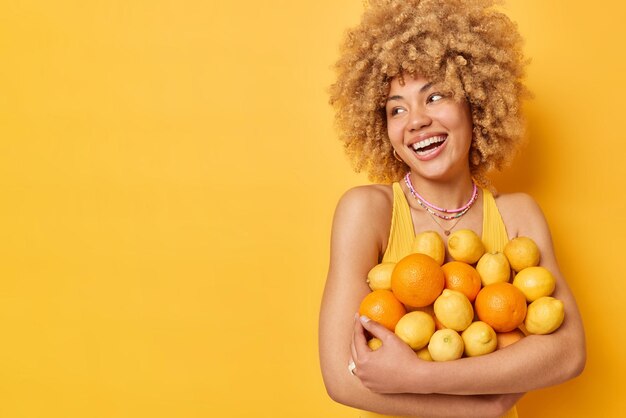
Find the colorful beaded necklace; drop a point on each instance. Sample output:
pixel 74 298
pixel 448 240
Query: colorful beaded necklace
pixel 430 208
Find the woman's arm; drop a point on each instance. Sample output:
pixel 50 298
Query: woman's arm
pixel 360 227
pixel 534 362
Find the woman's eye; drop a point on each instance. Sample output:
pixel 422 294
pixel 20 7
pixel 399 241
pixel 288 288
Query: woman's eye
pixel 435 97
pixel 396 111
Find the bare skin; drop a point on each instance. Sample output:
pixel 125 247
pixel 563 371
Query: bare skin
pixel 392 380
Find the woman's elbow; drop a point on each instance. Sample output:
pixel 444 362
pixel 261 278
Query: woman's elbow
pixel 343 391
pixel 577 364
pixel 335 392
pixel 336 389
pixel 579 360
pixel 574 355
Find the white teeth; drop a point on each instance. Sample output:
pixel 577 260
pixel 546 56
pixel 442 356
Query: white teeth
pixel 427 142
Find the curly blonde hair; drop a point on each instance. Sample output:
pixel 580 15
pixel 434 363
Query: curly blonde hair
pixel 469 48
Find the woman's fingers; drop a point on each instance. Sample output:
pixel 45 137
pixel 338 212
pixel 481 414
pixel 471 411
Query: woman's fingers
pixel 359 339
pixel 359 342
pixel 377 330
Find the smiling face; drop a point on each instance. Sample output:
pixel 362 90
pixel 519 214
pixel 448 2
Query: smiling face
pixel 430 130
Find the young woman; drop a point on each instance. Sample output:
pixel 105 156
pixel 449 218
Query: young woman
pixel 428 99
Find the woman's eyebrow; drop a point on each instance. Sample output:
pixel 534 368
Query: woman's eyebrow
pixel 422 90
pixel 396 97
pixel 426 87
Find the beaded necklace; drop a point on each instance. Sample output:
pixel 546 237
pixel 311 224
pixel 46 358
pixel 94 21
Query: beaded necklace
pixel 429 206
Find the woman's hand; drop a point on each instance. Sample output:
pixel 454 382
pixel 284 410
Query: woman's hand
pixel 384 370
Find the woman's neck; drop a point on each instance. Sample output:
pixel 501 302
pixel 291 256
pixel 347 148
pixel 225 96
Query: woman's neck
pixel 448 194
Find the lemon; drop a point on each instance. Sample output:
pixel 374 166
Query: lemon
pixel 522 252
pixel 430 243
pixel 479 338
pixel 545 315
pixel 415 329
pixel 445 345
pixel 379 277
pixel 454 310
pixel 430 311
pixel 493 268
pixel 374 344
pixel 424 354
pixel 464 245
pixel 535 282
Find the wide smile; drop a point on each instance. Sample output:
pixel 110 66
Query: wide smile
pixel 429 147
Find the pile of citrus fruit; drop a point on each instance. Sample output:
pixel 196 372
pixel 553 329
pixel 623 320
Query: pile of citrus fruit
pixel 472 306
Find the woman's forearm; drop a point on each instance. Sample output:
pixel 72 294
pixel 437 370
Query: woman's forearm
pixel 423 406
pixel 532 363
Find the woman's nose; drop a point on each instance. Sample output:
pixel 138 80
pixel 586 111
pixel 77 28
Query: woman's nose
pixel 418 120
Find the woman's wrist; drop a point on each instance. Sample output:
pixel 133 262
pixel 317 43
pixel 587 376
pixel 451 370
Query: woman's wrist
pixel 422 377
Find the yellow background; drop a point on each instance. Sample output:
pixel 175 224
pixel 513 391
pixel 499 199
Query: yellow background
pixel 168 174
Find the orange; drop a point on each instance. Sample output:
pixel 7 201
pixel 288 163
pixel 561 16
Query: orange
pixel 417 280
pixel 462 277
pixel 383 307
pixel 501 305
pixel 505 339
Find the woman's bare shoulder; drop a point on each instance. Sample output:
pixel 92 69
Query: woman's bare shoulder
pixel 371 199
pixel 512 200
pixel 520 212
pixel 365 212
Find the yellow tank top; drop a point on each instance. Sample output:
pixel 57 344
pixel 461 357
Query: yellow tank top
pixel 402 234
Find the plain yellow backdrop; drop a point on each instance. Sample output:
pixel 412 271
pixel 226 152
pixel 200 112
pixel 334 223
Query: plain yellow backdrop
pixel 168 174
